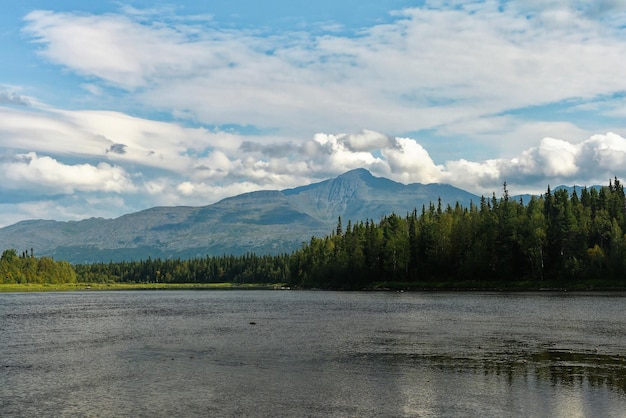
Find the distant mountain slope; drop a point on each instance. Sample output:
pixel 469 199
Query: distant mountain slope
pixel 357 195
pixel 570 190
pixel 265 222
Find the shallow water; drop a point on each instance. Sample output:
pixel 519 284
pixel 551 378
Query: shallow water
pixel 308 353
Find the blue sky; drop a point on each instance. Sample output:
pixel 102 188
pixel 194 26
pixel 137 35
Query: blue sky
pixel 115 106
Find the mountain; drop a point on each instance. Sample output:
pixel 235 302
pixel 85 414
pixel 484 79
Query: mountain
pixel 569 189
pixel 264 222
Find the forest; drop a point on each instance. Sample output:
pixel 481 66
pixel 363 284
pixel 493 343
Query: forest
pixel 26 268
pixel 558 239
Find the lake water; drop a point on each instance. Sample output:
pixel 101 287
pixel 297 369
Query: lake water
pixel 312 354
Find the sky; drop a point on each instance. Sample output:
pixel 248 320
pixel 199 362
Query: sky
pixel 111 107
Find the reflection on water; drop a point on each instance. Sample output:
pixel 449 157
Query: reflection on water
pixel 297 354
pixel 557 367
pixel 566 368
pixel 576 383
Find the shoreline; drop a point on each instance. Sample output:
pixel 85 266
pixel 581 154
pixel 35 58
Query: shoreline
pixel 377 287
pixel 86 287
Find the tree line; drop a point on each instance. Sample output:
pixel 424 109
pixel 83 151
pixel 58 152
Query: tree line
pixel 248 268
pixel 26 268
pixel 557 237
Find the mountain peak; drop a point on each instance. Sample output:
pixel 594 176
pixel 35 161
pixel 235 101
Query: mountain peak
pixel 361 173
pixel 262 222
pixel 363 179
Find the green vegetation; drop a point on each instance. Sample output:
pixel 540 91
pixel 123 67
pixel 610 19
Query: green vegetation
pixel 66 287
pixel 556 240
pixel 248 268
pixel 26 268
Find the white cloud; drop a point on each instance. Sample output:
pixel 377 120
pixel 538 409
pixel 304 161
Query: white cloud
pixel 482 177
pixel 119 153
pixel 216 165
pixel 409 162
pixel 554 158
pixel 49 176
pixel 608 151
pixel 95 134
pixel 555 161
pixel 332 153
pixel 114 48
pixel 186 188
pixel 227 171
pixel 594 160
pixel 32 130
pixel 427 69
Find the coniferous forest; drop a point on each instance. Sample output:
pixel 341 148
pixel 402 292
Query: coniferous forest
pixel 559 239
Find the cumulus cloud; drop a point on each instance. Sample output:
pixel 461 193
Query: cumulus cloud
pixel 480 177
pixel 409 162
pixel 47 175
pixel 553 158
pixel 607 151
pixel 333 152
pixel 594 160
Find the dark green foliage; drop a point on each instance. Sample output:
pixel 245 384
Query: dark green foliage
pixel 557 237
pixel 248 268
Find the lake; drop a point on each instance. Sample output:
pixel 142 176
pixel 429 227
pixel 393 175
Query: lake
pixel 312 354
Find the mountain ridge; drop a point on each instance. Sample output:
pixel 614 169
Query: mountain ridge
pixel 264 221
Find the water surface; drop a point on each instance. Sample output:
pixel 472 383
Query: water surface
pixel 308 353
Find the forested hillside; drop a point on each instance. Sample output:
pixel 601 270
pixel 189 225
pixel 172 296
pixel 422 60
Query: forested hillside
pixel 26 268
pixel 567 239
pixel 557 238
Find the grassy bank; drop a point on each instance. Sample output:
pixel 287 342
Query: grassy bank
pixel 68 287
